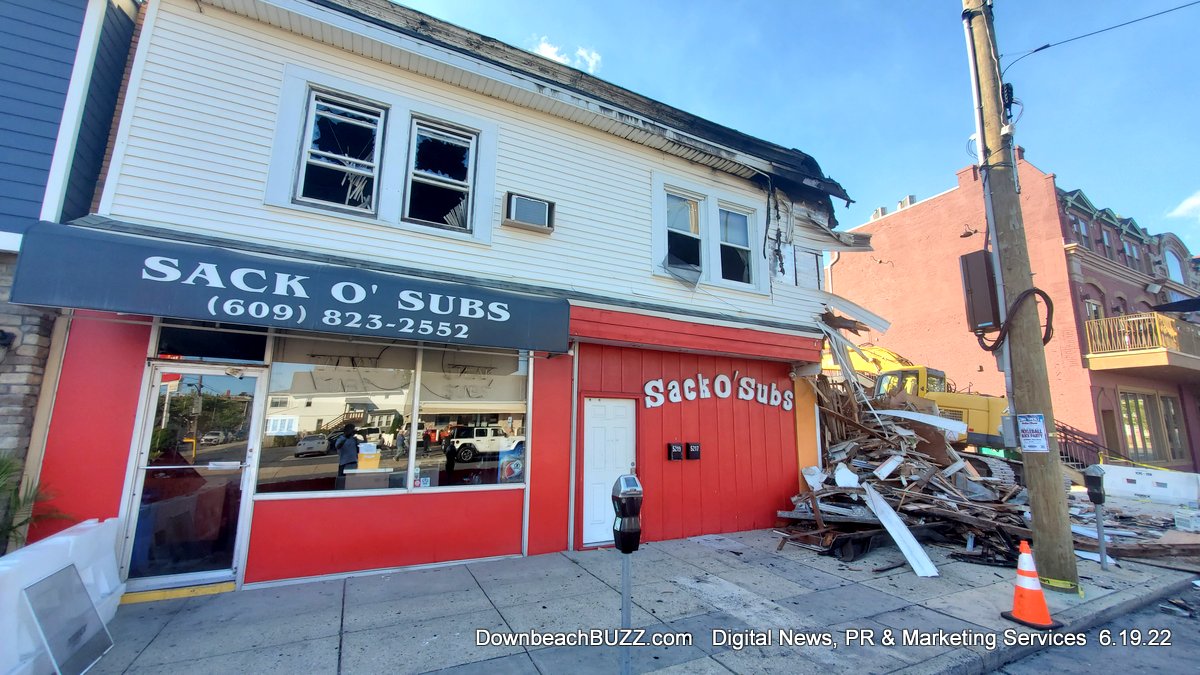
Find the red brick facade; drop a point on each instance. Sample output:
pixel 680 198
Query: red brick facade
pixel 912 278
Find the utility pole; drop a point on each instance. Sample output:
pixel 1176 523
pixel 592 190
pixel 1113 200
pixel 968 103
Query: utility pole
pixel 1053 546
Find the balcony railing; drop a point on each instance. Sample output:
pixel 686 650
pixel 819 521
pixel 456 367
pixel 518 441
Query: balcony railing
pixel 1134 332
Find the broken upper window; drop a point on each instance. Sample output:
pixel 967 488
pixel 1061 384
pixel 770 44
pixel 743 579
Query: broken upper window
pixel 439 176
pixel 683 233
pixel 735 246
pixel 341 161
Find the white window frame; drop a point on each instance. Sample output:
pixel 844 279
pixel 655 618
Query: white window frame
pixel 711 199
pixel 749 247
pixel 331 98
pixel 391 189
pixel 411 174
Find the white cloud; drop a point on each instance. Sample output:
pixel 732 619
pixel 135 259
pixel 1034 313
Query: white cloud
pixel 553 52
pixel 592 58
pixel 1188 208
pixel 583 59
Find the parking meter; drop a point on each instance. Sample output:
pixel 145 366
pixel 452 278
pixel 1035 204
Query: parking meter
pixel 627 502
pixel 1093 479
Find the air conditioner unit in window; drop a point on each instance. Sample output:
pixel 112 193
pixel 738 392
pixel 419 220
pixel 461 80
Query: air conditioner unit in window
pixel 528 213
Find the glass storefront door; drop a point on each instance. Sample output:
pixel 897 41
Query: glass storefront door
pixel 191 475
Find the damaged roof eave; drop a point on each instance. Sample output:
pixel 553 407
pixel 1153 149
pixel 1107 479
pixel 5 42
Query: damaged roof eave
pixel 444 52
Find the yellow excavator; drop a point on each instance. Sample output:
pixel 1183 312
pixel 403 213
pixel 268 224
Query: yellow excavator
pixel 885 372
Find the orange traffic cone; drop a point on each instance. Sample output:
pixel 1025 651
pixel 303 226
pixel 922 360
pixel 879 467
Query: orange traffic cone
pixel 1029 605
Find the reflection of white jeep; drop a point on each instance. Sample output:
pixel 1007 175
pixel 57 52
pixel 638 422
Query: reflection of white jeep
pixel 468 442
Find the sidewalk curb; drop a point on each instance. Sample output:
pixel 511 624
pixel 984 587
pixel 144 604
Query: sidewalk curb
pixel 972 661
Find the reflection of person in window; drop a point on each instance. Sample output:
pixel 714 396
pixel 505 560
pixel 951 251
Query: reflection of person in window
pixel 347 449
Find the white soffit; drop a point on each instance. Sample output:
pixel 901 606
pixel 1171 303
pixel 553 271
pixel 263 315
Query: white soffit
pixel 449 66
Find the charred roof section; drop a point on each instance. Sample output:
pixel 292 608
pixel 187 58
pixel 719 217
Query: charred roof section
pixel 790 170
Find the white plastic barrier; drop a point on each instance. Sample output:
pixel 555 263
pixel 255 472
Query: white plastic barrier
pixel 92 547
pixel 1163 487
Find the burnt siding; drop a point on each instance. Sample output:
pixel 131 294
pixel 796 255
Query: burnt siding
pixel 111 54
pixel 38 39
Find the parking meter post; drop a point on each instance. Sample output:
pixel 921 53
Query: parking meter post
pixel 627 536
pixel 1093 479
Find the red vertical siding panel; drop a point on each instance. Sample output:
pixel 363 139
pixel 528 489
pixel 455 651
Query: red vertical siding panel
pixel 672 479
pixel 651 452
pixel 773 440
pixel 727 451
pixel 610 369
pixel 709 511
pixel 691 504
pixel 759 476
pixel 550 455
pixel 91 427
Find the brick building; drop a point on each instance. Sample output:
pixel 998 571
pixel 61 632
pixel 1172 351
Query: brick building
pixel 1119 372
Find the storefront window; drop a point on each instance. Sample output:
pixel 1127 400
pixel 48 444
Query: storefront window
pixel 316 388
pixel 205 341
pixel 471 419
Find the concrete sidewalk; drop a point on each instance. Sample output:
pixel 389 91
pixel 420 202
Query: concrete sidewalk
pixel 426 620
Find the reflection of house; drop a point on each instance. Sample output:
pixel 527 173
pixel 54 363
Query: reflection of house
pixel 324 398
pixel 1119 371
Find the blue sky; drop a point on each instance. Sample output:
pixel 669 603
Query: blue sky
pixel 878 92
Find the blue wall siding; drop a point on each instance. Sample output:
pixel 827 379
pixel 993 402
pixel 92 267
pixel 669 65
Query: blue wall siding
pixel 108 71
pixel 38 39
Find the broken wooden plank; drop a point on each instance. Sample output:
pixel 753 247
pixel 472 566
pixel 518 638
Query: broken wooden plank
pixel 913 552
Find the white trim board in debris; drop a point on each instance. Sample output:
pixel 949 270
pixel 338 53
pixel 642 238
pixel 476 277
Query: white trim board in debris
pixel 913 552
pixel 952 426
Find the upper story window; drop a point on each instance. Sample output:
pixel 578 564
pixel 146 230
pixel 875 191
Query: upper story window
pixel 355 152
pixel 1133 255
pixel 440 169
pixel 704 234
pixel 1107 241
pixel 684 244
pixel 735 246
pixel 341 158
pixel 1093 309
pixel 1174 267
pixel 1079 226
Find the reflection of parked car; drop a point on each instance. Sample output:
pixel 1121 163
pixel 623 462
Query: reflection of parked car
pixel 214 438
pixel 312 444
pixel 364 434
pixel 466 443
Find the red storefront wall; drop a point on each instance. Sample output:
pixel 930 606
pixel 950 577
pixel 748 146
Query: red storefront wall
pixel 748 465
pixel 91 426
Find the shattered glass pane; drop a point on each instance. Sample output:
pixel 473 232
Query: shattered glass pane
pixel 683 215
pixel 340 163
pixel 735 264
pixel 443 156
pixel 438 204
pixel 337 187
pixel 683 250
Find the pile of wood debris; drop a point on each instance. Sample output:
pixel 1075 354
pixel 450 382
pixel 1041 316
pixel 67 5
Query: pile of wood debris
pixel 889 473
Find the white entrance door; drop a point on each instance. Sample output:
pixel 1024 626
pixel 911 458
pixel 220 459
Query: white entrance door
pixel 608 452
pixel 187 511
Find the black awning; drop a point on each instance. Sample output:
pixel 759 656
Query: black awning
pixel 68 266
pixel 1186 305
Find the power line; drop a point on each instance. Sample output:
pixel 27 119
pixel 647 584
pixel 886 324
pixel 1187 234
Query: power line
pixel 1095 32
